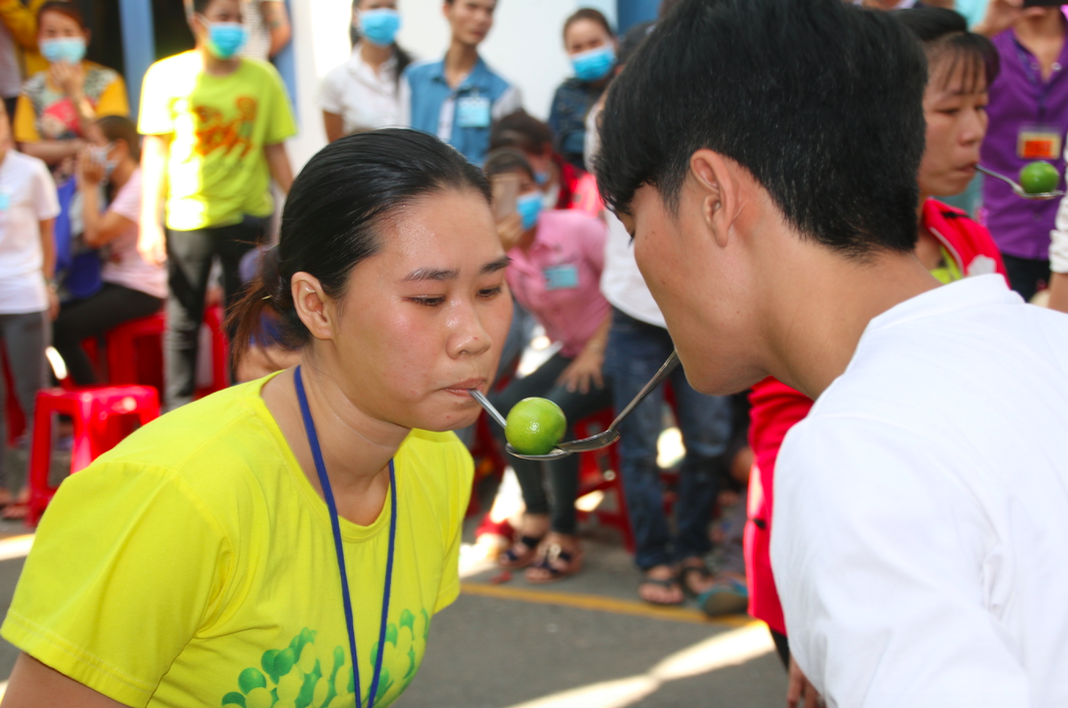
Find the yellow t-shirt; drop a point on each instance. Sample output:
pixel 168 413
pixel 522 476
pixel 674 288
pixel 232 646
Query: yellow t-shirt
pixel 44 112
pixel 194 565
pixel 218 125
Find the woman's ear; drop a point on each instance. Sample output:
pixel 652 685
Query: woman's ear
pixel 312 305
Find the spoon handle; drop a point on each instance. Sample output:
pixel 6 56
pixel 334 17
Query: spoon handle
pixel 667 368
pixel 487 406
pixel 1003 178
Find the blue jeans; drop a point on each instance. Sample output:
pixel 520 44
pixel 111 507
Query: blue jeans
pixel 635 351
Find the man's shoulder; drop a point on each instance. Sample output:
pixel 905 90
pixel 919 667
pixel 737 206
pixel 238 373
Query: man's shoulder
pixel 424 70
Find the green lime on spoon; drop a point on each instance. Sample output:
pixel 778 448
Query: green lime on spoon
pixel 1037 177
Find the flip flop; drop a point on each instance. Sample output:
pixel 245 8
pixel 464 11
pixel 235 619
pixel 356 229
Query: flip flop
pixel 727 597
pixel 684 577
pixel 513 559
pixel 554 554
pixel 666 583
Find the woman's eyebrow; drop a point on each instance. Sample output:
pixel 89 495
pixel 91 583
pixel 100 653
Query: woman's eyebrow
pixel 499 264
pixel 453 273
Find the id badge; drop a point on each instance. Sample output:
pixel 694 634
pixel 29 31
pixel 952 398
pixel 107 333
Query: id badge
pixel 473 112
pixel 561 277
pixel 5 201
pixel 1039 142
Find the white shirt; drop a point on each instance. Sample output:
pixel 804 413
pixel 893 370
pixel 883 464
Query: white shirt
pixel 27 197
pixel 621 281
pixel 920 536
pixel 123 265
pixel 363 98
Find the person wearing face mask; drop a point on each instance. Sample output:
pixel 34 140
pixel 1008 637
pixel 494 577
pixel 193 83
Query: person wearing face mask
pixel 563 186
pixel 132 288
pixel 591 46
pixel 362 93
pixel 214 125
pixel 556 262
pixel 58 106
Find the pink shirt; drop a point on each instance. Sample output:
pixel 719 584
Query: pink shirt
pixel 558 279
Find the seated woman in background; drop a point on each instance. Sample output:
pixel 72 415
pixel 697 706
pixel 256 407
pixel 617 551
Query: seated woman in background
pixel 361 94
pixel 591 46
pixel 58 106
pixel 555 274
pixel 561 184
pixel 132 288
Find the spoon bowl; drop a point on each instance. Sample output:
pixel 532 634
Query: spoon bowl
pixel 1017 189
pixel 594 442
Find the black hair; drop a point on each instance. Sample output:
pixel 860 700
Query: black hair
pixel 333 216
pixel 121 128
pixel 198 7
pixel 588 13
pixel 506 159
pixel 666 6
pixel 632 40
pixel 63 7
pixel 821 101
pixel 522 131
pixel 403 57
pixel 948 44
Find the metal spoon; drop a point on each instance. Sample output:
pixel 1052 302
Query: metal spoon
pixel 1018 189
pixel 594 442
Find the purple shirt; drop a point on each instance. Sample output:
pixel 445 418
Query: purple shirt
pixel 1019 97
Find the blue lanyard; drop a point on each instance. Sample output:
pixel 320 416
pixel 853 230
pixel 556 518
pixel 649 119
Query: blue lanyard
pixel 324 481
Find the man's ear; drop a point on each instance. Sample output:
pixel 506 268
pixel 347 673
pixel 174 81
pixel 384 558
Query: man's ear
pixel 313 305
pixel 719 187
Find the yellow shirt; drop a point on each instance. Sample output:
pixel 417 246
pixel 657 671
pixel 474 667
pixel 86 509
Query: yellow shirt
pixel 217 170
pixel 44 112
pixel 194 565
pixel 21 21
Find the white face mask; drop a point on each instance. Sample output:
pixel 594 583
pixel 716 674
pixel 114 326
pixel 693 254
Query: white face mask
pixel 99 155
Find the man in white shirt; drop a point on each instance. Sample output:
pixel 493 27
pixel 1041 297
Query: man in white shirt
pixel 920 541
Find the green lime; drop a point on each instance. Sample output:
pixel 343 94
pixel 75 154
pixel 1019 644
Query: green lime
pixel 1039 177
pixel 534 426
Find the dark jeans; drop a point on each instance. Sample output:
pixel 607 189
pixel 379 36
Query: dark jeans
pixel 92 317
pixel 782 647
pixel 1026 275
pixel 562 473
pixel 25 338
pixel 189 258
pixel 635 351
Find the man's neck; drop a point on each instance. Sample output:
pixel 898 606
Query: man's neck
pixel 459 61
pixel 811 344
pixel 215 66
pixel 1043 35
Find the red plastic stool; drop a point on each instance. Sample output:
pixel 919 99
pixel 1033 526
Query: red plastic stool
pixel 135 352
pixel 101 420
pixel 599 472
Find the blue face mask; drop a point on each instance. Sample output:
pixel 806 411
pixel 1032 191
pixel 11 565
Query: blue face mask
pixel 225 39
pixel 529 207
pixel 542 178
pixel 380 26
pixel 595 64
pixel 68 49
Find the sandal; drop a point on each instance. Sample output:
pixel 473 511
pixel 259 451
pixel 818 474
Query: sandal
pixel 521 554
pixel 728 596
pixel 556 564
pixel 667 584
pixel 687 571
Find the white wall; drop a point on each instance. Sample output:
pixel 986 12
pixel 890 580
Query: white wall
pixel 525 46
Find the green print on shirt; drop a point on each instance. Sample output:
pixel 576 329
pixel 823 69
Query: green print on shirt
pixel 306 675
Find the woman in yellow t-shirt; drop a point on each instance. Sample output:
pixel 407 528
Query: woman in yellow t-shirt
pixel 244 549
pixel 59 105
